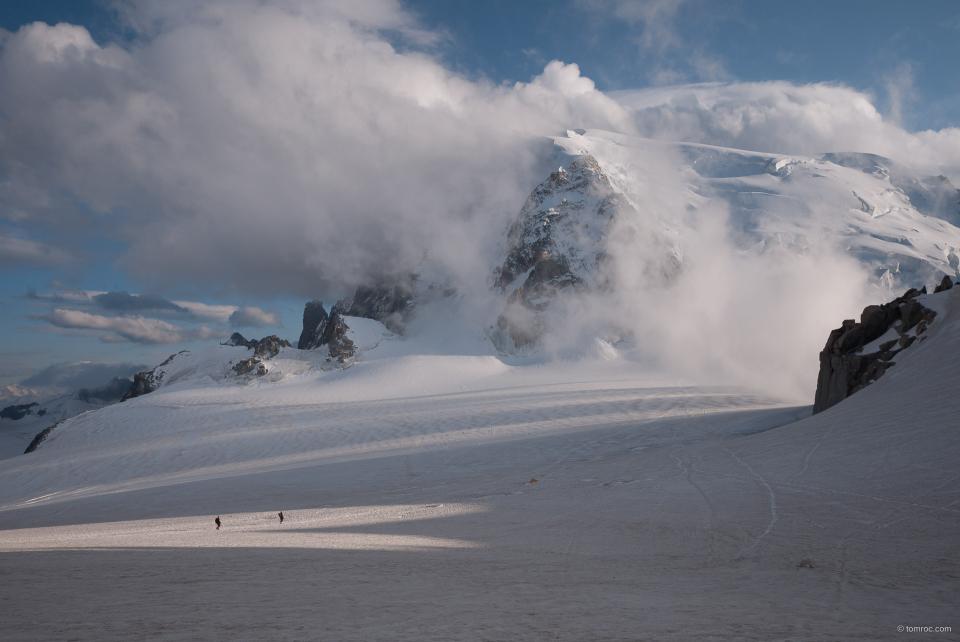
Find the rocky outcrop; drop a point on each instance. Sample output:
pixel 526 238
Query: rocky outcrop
pixel 268 347
pixel 17 412
pixel 945 285
pixel 340 347
pixel 556 245
pixel 314 323
pixel 146 382
pixel 236 339
pixel 246 366
pixel 263 350
pixel 389 304
pixel 41 437
pixel 855 354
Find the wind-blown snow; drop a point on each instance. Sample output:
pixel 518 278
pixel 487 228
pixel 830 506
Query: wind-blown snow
pixel 773 250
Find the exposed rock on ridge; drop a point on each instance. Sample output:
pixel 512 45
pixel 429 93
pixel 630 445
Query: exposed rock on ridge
pixel 314 323
pixel 853 359
pixel 335 338
pixel 41 437
pixel 146 382
pixel 263 349
pixel 236 339
pixel 268 347
pixel 389 304
pixel 556 245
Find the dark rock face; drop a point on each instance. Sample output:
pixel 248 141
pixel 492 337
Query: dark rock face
pixel 249 365
pixel 335 338
pixel 17 412
pixel 314 323
pixel 945 285
pixel 236 339
pixel 844 369
pixel 556 245
pixel 146 382
pixel 388 304
pixel 263 349
pixel 268 347
pixel 41 436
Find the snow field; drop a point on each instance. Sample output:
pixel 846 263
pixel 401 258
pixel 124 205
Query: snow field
pixel 661 510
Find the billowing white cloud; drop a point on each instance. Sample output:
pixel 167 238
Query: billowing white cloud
pixel 789 119
pixel 266 144
pixel 294 146
pixel 130 327
pixel 207 312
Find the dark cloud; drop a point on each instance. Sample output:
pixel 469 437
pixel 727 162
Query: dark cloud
pixel 21 252
pixel 126 302
pixel 84 374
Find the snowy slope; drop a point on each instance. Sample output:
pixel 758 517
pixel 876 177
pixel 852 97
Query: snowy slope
pixel 15 436
pixel 678 510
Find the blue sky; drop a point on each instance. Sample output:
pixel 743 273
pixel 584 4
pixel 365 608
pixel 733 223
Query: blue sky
pixel 115 218
pixel 860 43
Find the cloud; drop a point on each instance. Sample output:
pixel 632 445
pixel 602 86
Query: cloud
pixel 306 152
pixel 207 312
pixel 125 302
pixel 900 92
pixel 82 374
pixel 132 328
pixel 21 252
pixel 251 317
pixel 70 302
pixel 785 118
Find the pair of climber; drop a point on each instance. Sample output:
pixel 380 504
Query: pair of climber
pixel 217 520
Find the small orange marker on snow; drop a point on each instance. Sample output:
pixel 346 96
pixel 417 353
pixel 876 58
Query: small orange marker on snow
pixel 533 481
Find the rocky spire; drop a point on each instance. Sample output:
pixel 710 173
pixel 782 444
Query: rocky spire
pixel 314 323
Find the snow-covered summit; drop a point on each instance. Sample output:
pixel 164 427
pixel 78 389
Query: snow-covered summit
pixel 900 224
pixel 624 212
pixel 556 243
